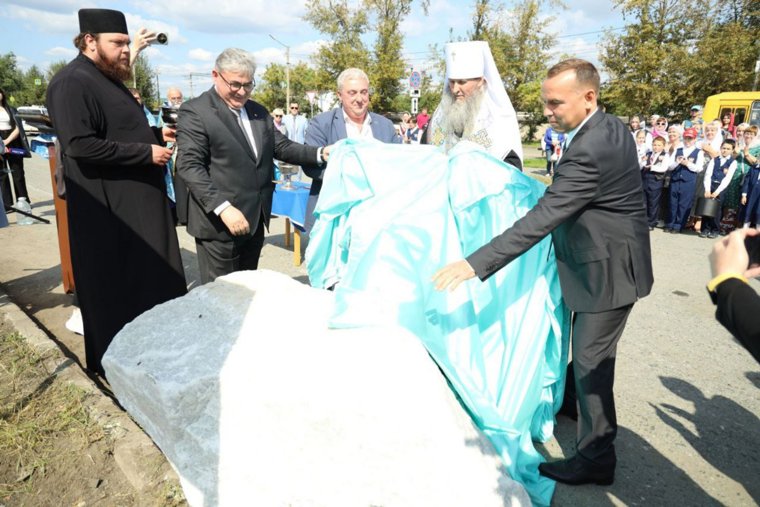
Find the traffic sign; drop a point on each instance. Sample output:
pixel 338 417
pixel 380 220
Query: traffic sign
pixel 415 79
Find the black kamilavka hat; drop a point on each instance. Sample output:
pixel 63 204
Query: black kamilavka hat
pixel 102 21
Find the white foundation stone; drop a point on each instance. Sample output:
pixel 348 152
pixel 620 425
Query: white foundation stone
pixel 256 402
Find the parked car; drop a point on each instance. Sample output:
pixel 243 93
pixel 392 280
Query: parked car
pixel 29 114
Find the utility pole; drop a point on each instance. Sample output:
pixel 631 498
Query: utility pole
pixel 190 79
pixel 287 69
pixel 158 91
pixel 757 73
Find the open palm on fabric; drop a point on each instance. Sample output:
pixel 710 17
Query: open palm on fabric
pixel 452 275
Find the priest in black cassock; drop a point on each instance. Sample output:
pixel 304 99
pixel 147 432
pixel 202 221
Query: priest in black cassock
pixel 124 247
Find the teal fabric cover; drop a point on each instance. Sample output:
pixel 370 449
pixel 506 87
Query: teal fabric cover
pixel 389 216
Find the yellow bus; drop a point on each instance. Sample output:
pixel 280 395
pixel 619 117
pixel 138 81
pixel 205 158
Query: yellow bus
pixel 744 105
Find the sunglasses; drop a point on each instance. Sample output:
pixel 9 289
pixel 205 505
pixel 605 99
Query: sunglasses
pixel 294 107
pixel 278 116
pixel 661 123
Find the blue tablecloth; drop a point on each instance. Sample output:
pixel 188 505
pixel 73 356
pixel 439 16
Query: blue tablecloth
pixel 291 203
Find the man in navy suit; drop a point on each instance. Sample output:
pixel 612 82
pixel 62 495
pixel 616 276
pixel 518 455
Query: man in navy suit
pixel 594 210
pixel 351 120
pixel 227 144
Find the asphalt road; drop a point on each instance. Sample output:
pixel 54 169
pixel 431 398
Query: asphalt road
pixel 687 394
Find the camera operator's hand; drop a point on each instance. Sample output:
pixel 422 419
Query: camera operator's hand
pixel 143 38
pixel 161 155
pixel 169 133
pixel 729 255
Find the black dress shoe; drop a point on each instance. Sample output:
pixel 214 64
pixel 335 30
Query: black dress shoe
pixel 578 470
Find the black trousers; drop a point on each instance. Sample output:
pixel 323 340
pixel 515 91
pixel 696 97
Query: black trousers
pixel 16 165
pixel 217 258
pixel 590 379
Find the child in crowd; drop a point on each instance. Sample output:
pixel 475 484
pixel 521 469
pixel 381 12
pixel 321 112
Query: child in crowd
pixel 717 177
pixel 686 162
pixel 552 148
pixel 653 175
pixel 642 147
pixel 750 156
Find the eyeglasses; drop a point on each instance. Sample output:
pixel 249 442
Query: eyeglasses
pixel 278 116
pixel 661 123
pixel 294 107
pixel 235 86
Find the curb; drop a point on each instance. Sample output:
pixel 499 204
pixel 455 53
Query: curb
pixel 142 463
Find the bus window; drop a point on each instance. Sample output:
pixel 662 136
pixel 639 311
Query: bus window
pixel 723 112
pixel 754 114
pixel 739 114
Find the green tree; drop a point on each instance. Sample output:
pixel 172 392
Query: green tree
pixel 11 78
pixel 272 90
pixel 33 93
pixel 344 25
pixel 53 69
pixel 649 65
pixel 519 41
pixel 725 54
pixel 387 66
pixel 143 78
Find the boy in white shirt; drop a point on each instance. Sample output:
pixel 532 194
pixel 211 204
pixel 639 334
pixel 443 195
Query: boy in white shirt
pixel 717 177
pixel 685 163
pixel 653 175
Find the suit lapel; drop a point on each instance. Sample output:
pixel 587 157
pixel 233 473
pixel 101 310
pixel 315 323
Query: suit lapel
pixel 591 123
pixel 229 119
pixel 339 124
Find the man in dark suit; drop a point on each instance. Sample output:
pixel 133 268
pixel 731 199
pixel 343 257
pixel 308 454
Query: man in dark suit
pixel 737 304
pixel 594 210
pixel 227 145
pixel 351 120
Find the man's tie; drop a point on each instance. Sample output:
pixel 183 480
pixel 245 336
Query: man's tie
pixel 242 127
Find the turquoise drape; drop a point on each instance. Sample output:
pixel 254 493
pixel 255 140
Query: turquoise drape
pixel 389 216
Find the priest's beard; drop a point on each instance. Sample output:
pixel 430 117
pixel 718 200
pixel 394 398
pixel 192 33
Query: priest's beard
pixel 458 117
pixel 117 70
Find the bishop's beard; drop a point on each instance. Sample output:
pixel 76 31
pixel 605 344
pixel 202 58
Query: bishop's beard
pixel 458 117
pixel 116 70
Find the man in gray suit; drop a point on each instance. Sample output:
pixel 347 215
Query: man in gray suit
pixel 227 144
pixel 594 210
pixel 351 120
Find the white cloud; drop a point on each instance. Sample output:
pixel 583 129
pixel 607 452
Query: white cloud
pixel 229 16
pixel 201 55
pixel 37 21
pixel 62 52
pixel 59 6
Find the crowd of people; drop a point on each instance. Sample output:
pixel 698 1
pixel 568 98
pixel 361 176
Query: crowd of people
pixel 699 175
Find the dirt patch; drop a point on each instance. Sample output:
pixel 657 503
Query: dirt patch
pixel 53 451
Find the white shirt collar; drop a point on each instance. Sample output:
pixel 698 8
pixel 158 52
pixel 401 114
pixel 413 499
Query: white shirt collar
pixel 353 132
pixel 570 135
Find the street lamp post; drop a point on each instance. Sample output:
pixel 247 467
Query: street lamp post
pixel 287 68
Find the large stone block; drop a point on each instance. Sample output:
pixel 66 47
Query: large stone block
pixel 256 402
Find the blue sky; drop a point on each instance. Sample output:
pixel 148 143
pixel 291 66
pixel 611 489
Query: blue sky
pixel 40 31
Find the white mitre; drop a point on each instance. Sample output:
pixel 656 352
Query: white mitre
pixel 496 127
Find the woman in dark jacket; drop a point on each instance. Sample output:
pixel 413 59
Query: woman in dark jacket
pixel 12 136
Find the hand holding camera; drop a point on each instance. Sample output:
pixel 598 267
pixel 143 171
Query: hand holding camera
pixel 739 252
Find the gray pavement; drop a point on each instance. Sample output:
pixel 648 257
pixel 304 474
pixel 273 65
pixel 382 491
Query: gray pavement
pixel 687 393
